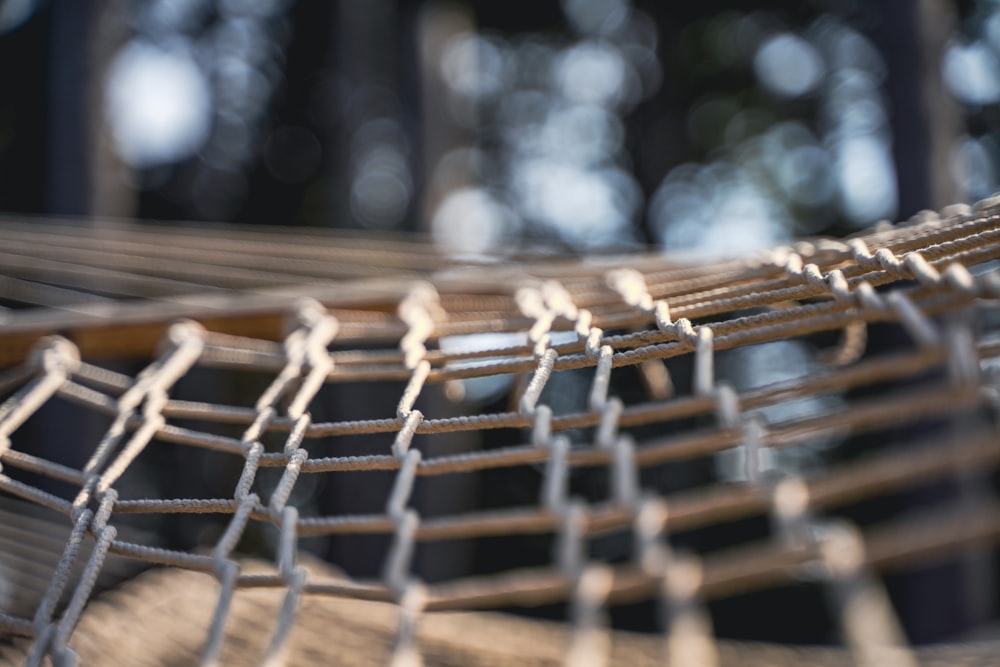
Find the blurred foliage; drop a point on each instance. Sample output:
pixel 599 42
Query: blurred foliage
pixel 585 124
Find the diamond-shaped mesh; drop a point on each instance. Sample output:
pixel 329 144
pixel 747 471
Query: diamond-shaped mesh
pixel 923 406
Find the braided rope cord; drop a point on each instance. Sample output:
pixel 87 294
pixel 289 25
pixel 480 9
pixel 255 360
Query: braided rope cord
pixel 934 277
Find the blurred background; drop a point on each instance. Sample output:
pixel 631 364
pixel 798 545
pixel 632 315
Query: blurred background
pixel 577 126
pixel 581 124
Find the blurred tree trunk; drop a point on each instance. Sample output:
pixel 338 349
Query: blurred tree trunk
pixel 925 119
pixel 110 191
pixel 938 603
pixel 67 178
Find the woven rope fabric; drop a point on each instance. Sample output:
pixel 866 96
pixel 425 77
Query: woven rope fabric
pixel 421 330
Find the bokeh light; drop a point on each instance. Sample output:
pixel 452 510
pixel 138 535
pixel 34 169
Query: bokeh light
pixel 192 86
pixel 381 182
pixel 972 72
pixel 476 66
pixel 864 167
pixel 588 208
pixel 789 65
pixel 14 13
pixel 791 107
pixel 595 17
pixel 791 173
pixel 549 113
pixel 159 103
pixel 472 221
pixel 715 210
pixel 973 165
pixel 593 73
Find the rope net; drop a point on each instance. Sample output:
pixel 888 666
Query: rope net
pixel 648 339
